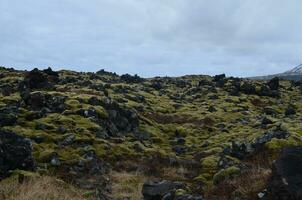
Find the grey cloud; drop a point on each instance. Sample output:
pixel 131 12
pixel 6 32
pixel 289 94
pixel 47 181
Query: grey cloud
pixel 158 37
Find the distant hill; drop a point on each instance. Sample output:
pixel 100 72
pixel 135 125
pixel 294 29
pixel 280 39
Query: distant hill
pixel 294 74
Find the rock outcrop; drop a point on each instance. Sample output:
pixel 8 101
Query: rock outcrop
pixel 286 181
pixel 15 153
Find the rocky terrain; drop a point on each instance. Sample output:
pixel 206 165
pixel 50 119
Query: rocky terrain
pixel 106 136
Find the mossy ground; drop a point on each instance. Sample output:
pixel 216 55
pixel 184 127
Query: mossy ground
pixel 165 114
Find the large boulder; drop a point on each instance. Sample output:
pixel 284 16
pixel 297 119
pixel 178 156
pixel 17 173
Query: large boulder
pixel 242 150
pixel 248 88
pixel 273 84
pixel 157 190
pixel 119 117
pixel 39 100
pixel 286 181
pixel 37 79
pixel 167 190
pixel 8 116
pixel 15 153
pixel 131 79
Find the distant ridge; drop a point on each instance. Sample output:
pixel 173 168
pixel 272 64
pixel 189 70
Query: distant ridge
pixel 294 74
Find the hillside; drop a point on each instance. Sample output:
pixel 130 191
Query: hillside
pixel 294 74
pixel 107 135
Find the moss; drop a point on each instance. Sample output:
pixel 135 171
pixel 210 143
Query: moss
pixel 179 192
pixel 225 174
pixel 210 162
pixel 101 111
pixel 276 145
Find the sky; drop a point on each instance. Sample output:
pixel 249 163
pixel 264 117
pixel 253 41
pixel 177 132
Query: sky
pixel 153 37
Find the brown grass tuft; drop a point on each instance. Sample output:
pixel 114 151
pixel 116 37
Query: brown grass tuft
pixel 126 185
pixel 39 188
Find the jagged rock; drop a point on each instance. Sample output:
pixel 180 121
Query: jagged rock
pixel 7 119
pixel 68 140
pixel 131 79
pixel 219 77
pixel 241 150
pixel 94 101
pixel 15 153
pixel 102 133
pixel 212 109
pixel 42 126
pixel 37 79
pixel 157 190
pixel 6 89
pixel 266 121
pixel 286 183
pixel 290 110
pixel 270 111
pixel 49 72
pixel 123 119
pixel 179 149
pixel 277 132
pixel 248 88
pixel 8 116
pixel 273 84
pixel 39 100
pixel 266 91
pixel 156 85
pixel 141 136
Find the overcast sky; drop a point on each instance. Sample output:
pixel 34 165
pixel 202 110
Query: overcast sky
pixel 153 37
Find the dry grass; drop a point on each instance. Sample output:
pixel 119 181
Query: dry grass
pixel 127 185
pixel 248 184
pixel 174 173
pixel 245 186
pixel 41 188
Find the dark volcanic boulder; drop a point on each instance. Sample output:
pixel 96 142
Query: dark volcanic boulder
pixel 266 91
pixel 290 110
pixel 39 100
pixel 219 77
pixel 286 181
pixel 248 88
pixel 131 79
pixel 273 84
pixel 8 116
pixel 37 79
pixel 15 153
pixel 119 117
pixel 157 190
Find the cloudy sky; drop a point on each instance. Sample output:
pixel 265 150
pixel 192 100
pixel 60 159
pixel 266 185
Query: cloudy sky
pixel 153 37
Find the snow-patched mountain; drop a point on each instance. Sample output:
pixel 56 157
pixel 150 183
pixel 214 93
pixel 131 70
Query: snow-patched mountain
pixel 293 74
pixel 295 71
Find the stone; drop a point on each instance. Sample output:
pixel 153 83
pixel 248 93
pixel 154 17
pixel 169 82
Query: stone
pixel 266 121
pixel 157 190
pixel 248 88
pixel 8 116
pixel 68 140
pixel 219 77
pixel 15 153
pixel 94 101
pixel 37 79
pixel 285 183
pixel 131 79
pixel 290 110
pixel 273 84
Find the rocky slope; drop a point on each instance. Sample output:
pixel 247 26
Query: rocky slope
pixel 191 137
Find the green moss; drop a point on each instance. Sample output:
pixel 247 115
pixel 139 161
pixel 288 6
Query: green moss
pixel 101 111
pixel 225 174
